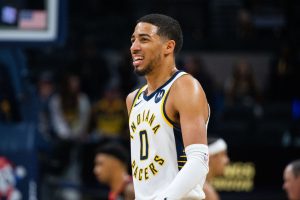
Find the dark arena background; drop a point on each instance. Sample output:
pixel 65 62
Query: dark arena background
pixel 245 53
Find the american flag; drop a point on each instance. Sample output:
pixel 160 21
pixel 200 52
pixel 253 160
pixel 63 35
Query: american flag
pixel 32 19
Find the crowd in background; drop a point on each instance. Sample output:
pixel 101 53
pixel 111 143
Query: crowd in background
pixel 82 106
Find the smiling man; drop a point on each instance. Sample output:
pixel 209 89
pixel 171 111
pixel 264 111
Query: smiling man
pixel 167 117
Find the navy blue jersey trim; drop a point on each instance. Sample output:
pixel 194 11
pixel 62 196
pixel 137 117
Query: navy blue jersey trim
pixel 147 98
pixel 181 156
pixel 165 113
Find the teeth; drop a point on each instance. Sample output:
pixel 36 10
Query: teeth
pixel 137 58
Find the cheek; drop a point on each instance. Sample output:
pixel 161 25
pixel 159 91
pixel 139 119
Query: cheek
pixel 297 187
pixel 225 161
pixel 217 167
pixel 96 170
pixel 221 164
pixel 221 167
pixel 154 52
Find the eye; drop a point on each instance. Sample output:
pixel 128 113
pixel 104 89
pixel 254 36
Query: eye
pixel 144 40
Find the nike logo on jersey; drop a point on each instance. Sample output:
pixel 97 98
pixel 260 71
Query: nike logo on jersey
pixel 137 103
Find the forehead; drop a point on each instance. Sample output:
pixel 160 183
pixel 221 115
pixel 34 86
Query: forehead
pixel 105 158
pixel 145 28
pixel 220 154
pixel 219 157
pixel 288 171
pixel 101 157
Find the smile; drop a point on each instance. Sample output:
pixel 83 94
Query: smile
pixel 137 60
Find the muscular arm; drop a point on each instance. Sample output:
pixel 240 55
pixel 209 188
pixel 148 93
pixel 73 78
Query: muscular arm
pixel 190 103
pixel 188 106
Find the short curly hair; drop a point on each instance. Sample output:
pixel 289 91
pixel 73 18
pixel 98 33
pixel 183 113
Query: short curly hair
pixel 168 27
pixel 116 150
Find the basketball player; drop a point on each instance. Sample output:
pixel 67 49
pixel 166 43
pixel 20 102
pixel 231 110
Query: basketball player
pixel 110 168
pixel 218 159
pixel 291 178
pixel 167 117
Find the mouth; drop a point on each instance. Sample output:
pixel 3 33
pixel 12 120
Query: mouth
pixel 137 60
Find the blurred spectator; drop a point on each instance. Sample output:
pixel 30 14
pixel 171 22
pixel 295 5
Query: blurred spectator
pixel 218 159
pixel 93 68
pixel 70 110
pixel 245 25
pixel 109 116
pixel 241 87
pixel 9 108
pixel 283 75
pixel 111 168
pixel 291 178
pixel 194 65
pixel 46 89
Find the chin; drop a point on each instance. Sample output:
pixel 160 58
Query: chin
pixel 140 72
pixel 99 179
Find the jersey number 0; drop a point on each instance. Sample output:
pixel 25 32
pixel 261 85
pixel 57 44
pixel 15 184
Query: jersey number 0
pixel 144 145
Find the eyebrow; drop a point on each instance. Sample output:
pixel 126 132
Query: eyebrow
pixel 142 35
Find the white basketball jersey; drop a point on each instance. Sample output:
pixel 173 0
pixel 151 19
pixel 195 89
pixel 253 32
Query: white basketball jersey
pixel 157 150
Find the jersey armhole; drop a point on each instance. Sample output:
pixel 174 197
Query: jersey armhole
pixel 136 96
pixel 170 122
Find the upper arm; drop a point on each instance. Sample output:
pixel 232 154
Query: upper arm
pixel 129 100
pixel 189 101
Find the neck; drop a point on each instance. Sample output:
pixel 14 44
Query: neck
pixel 117 181
pixel 160 75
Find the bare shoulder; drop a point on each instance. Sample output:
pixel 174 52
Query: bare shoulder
pixel 129 100
pixel 187 84
pixel 188 91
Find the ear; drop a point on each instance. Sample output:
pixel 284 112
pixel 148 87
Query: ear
pixel 169 46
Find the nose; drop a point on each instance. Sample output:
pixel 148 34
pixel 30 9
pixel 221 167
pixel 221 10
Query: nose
pixel 135 46
pixel 284 186
pixel 96 170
